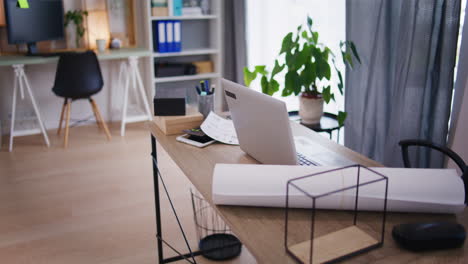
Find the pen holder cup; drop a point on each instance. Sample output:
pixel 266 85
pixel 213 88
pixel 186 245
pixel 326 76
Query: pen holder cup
pixel 205 104
pixel 216 240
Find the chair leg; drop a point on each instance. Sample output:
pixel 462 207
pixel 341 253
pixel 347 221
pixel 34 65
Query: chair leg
pixel 99 117
pixel 64 108
pixel 67 125
pixel 98 123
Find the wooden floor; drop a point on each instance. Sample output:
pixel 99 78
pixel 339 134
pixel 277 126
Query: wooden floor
pixel 90 203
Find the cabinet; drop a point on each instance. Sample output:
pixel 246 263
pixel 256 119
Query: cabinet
pixel 201 41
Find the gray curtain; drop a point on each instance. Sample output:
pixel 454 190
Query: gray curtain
pixel 234 40
pixel 403 88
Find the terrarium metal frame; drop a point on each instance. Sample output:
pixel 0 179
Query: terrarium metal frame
pixel 291 183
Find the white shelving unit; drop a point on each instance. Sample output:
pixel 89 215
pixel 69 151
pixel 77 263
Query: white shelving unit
pixel 187 78
pixel 201 40
pixel 186 17
pixel 189 52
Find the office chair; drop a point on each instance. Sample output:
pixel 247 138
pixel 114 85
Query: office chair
pixel 405 144
pixel 78 77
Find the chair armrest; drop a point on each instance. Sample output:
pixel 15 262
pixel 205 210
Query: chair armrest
pixel 425 143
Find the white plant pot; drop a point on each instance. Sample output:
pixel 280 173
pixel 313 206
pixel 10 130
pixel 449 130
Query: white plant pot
pixel 310 110
pixel 71 36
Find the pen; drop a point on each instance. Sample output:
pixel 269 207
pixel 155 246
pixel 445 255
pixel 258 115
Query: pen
pixel 207 85
pixel 202 85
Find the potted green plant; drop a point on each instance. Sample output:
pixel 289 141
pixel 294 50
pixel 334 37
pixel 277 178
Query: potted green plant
pixel 307 70
pixel 77 18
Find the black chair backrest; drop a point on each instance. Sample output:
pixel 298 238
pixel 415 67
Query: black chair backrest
pixel 78 75
pixel 451 154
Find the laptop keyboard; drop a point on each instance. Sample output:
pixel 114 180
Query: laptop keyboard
pixel 303 161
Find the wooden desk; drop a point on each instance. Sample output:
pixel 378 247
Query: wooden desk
pixel 261 230
pixel 9 60
pixel 128 71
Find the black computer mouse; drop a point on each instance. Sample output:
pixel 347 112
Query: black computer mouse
pixel 429 235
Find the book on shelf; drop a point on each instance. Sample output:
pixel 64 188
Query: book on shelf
pixel 195 7
pixel 164 8
pixel 159 8
pixel 177 7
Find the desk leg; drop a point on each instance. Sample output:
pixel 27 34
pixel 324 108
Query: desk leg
pixel 157 200
pixel 130 72
pixel 19 83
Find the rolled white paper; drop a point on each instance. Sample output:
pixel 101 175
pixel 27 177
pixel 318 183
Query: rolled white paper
pixel 409 190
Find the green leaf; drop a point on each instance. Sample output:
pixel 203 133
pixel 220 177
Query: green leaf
pixel 326 93
pixel 308 74
pixel 290 59
pixel 323 69
pixel 305 35
pixel 264 83
pixel 354 50
pixel 349 59
pixel 309 22
pixel 249 76
pixel 315 36
pixel 340 81
pixel 341 118
pixel 273 87
pixel 293 82
pixel 277 69
pixel 287 43
pixel 333 97
pixel 286 92
pixel 303 57
pixel 261 69
pixel 299 28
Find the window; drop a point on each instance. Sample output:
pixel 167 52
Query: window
pixel 268 21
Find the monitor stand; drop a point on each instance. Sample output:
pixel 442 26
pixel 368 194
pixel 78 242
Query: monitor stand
pixel 32 49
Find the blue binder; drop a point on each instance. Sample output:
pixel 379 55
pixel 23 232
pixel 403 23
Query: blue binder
pixel 160 45
pixel 177 36
pixel 170 35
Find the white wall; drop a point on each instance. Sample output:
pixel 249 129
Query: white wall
pixel 41 78
pixel 459 117
pixel 460 136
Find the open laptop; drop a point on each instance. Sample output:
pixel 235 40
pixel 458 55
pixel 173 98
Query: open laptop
pixel 263 128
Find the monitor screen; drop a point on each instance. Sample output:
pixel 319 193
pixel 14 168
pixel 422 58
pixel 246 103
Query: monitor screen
pixel 43 20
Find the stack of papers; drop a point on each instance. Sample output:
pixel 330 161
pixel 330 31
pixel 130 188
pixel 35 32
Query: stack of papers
pixel 409 190
pixel 220 129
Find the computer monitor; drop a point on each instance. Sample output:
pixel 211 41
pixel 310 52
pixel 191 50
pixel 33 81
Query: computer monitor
pixel 43 20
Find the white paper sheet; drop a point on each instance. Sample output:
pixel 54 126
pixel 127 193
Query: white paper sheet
pixel 409 190
pixel 220 129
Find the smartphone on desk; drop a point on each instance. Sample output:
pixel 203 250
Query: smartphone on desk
pixel 196 141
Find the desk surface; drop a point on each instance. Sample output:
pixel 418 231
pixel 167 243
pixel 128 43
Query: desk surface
pixel 262 229
pixel 8 60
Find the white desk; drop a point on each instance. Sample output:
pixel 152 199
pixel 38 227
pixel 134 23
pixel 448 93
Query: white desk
pixel 129 76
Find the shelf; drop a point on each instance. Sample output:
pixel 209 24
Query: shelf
pixel 186 77
pixel 186 53
pixel 199 17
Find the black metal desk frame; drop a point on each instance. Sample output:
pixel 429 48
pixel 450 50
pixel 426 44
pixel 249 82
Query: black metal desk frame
pixel 157 178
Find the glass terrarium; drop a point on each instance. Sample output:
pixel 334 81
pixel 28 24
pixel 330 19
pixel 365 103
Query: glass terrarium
pixel 335 214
